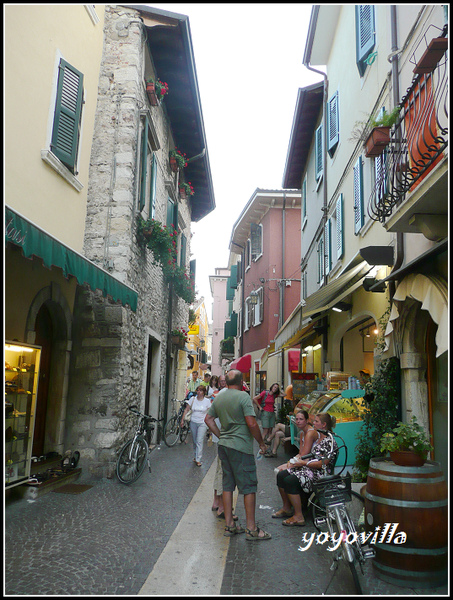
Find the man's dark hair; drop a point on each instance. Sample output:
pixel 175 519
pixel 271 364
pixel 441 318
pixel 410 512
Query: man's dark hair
pixel 233 377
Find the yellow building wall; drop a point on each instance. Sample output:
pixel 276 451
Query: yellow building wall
pixel 35 39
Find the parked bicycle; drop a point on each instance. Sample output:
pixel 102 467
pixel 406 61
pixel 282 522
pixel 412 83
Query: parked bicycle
pixel 173 430
pixel 336 510
pixel 134 454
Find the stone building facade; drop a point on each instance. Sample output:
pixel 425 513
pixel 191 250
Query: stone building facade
pixel 123 357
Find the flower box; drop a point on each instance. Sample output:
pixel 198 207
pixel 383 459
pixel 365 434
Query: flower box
pixel 182 193
pixel 377 141
pixel 174 164
pixel 151 93
pixel 407 458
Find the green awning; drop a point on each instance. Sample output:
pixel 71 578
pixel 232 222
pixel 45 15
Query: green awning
pixel 36 242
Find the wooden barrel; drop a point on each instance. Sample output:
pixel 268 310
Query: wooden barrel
pixel 416 499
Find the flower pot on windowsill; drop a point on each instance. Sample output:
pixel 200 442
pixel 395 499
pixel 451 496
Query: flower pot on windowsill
pixel 174 164
pixel 177 341
pixel 182 193
pixel 377 141
pixel 407 458
pixel 151 93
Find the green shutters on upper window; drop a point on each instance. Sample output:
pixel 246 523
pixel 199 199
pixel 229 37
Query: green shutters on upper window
pixel 68 113
pixel 143 164
pixel 152 189
pixel 333 124
pixel 328 246
pixel 365 34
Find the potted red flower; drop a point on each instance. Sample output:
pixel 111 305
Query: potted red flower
pixel 156 90
pixel 177 160
pixel 186 190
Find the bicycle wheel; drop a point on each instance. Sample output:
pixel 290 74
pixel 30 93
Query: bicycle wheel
pixel 132 461
pixel 184 432
pixel 171 431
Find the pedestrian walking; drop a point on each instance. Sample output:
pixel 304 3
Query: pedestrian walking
pixel 199 405
pixel 235 410
pixel 192 384
pixel 265 401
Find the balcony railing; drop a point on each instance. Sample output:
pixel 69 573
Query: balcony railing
pixel 418 139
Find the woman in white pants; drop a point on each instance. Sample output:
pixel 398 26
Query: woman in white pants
pixel 199 405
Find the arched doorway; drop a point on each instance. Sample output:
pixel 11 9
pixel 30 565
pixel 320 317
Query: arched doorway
pixel 44 336
pixel 49 325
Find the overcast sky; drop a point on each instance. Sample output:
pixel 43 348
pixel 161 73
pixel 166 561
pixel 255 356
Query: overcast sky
pixel 248 59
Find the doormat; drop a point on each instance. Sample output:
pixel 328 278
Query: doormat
pixel 72 488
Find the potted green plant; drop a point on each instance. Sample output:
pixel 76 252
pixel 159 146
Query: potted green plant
pixel 408 444
pixel 374 132
pixel 156 90
pixel 186 190
pixel 177 160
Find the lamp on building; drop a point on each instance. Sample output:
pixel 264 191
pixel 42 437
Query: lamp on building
pixel 342 306
pixel 253 297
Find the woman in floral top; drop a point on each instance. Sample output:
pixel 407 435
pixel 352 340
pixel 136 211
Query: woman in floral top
pixel 302 473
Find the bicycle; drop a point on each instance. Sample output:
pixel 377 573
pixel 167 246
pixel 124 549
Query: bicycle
pixel 134 454
pixel 172 429
pixel 335 513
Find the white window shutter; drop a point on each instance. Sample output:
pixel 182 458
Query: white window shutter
pixel 358 196
pixel 339 226
pixel 333 131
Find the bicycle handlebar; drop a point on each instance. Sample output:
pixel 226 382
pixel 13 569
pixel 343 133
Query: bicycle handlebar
pixel 135 410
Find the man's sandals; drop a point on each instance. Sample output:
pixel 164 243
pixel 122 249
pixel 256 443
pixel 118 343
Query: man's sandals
pixel 251 536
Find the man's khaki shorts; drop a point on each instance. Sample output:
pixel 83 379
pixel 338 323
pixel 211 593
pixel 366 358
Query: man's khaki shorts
pixel 239 469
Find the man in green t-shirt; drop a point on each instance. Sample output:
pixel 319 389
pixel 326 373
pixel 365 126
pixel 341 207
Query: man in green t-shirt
pixel 235 411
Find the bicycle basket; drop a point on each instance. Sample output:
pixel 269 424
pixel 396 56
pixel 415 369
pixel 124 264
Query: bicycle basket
pixel 328 493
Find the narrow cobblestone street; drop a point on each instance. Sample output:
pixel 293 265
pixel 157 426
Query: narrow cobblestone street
pixel 159 537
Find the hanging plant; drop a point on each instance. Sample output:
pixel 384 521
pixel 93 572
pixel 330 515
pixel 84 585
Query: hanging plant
pixel 186 190
pixel 156 90
pixel 158 238
pixel 177 160
pixel 161 240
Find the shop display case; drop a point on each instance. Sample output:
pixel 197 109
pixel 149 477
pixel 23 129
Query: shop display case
pixel 21 386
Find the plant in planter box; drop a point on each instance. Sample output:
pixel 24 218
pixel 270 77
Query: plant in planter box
pixel 156 90
pixel 177 160
pixel 179 336
pixel 158 238
pixel 374 132
pixel 186 190
pixel 407 438
pixel 182 284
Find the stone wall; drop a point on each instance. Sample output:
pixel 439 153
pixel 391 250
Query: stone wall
pixel 109 357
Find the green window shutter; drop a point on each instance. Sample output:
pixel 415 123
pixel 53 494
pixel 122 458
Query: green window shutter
pixel 143 164
pixel 339 226
pixel 183 256
pixel 234 276
pixel 365 34
pixel 358 196
pixel 333 124
pixel 152 193
pixel 318 153
pixel 172 213
pixel 192 271
pixel 68 112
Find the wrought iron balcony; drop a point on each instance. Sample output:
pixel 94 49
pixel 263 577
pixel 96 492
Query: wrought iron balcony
pixel 419 138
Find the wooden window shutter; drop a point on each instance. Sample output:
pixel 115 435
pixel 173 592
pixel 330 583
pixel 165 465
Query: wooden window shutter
pixel 320 260
pixel 327 242
pixel 333 128
pixel 183 255
pixel 152 190
pixel 339 226
pixel 318 153
pixel 304 199
pixel 365 34
pixel 68 112
pixel 358 196
pixel 143 164
pixel 255 238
